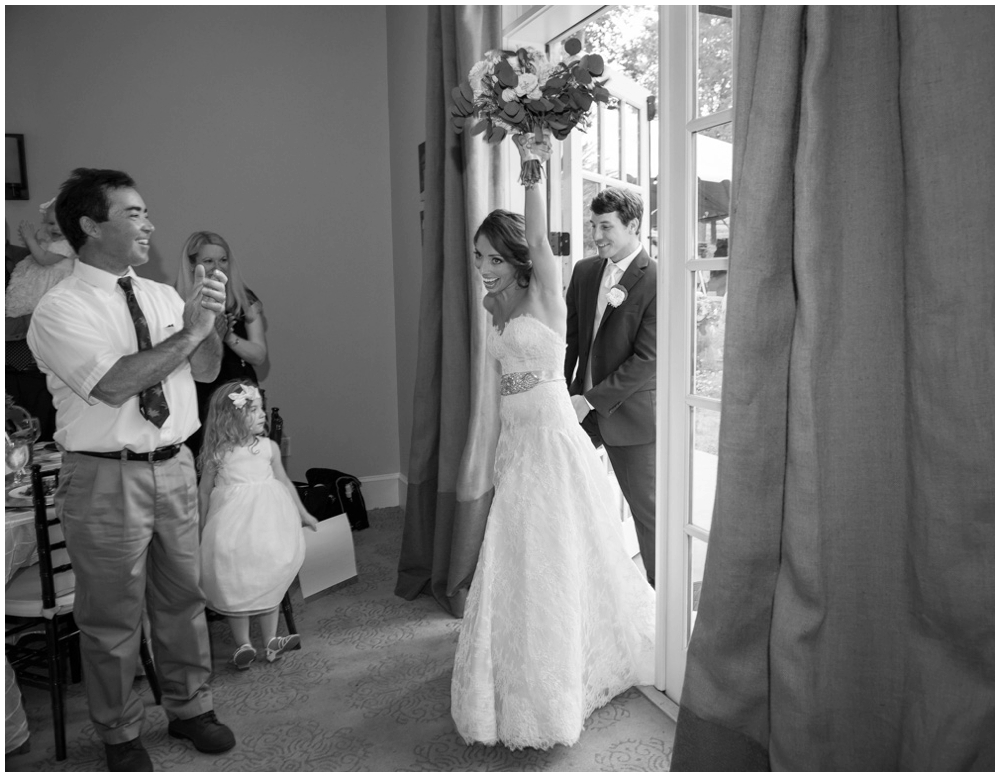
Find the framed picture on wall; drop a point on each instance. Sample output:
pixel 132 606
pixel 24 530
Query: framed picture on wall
pixel 16 179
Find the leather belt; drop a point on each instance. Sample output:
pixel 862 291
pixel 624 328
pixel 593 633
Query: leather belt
pixel 160 454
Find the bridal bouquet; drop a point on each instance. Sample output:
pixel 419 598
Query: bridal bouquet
pixel 522 92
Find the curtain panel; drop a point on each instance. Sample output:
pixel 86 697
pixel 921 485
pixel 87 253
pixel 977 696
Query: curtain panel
pixel 847 615
pixel 456 399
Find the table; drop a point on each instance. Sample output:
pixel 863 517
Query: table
pixel 20 550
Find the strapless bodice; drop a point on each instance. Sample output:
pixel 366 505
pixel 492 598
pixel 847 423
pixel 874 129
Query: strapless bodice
pixel 526 345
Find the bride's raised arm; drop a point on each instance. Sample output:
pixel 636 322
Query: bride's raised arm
pixel 546 271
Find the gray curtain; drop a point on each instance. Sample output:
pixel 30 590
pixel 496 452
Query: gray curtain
pixel 847 616
pixel 456 400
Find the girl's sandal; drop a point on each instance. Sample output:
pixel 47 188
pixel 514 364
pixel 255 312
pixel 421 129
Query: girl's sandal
pixel 244 656
pixel 278 645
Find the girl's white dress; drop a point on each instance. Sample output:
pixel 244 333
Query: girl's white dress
pixel 252 545
pixel 559 620
pixel 30 280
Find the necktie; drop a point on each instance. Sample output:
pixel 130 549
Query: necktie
pixel 152 402
pixel 612 274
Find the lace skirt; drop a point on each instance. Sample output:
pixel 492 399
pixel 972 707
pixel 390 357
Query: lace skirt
pixel 558 620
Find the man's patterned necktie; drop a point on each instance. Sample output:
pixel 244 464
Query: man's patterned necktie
pixel 152 402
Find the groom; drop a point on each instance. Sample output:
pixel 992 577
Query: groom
pixel 611 354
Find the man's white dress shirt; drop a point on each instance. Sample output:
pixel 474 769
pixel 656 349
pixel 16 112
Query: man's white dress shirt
pixel 78 331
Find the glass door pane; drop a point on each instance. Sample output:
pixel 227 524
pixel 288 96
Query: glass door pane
pixel 714 166
pixel 590 190
pixel 704 465
pixel 631 139
pixel 697 550
pixel 709 332
pixel 715 59
pixel 610 141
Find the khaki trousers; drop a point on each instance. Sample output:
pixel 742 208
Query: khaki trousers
pixel 131 531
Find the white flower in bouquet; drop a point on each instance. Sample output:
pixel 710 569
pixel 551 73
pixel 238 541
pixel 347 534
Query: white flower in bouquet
pixel 526 84
pixel 476 75
pixel 545 70
pixel 509 95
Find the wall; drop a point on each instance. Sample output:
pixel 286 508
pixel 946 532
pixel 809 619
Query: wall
pixel 407 47
pixel 269 126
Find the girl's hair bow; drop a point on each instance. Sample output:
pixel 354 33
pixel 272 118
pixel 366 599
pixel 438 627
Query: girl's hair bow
pixel 245 394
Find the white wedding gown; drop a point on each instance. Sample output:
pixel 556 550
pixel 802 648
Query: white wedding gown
pixel 559 620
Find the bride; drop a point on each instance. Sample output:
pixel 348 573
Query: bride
pixel 558 620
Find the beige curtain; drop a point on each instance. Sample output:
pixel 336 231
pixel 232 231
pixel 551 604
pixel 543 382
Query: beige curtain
pixel 456 400
pixel 847 616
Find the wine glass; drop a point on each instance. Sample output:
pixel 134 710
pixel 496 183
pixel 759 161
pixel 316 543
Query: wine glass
pixel 20 436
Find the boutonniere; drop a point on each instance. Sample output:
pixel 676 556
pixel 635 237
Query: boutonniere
pixel 616 295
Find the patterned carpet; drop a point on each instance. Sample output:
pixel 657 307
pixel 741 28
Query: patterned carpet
pixel 369 691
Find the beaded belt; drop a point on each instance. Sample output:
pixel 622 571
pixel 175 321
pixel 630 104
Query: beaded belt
pixel 516 382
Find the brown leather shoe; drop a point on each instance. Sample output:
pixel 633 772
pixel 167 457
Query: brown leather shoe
pixel 128 756
pixel 205 731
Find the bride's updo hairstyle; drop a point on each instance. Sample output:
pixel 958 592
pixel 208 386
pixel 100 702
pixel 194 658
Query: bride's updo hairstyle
pixel 505 232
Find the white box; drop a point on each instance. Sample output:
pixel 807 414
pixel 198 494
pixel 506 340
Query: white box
pixel 329 562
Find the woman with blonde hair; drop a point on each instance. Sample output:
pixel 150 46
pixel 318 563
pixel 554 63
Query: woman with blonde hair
pixel 242 325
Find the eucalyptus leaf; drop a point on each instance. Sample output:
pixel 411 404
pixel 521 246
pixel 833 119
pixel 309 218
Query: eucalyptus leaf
pixel 506 74
pixel 595 64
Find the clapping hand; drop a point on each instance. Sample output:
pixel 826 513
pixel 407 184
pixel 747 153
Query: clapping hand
pixel 27 232
pixel 207 301
pixel 224 323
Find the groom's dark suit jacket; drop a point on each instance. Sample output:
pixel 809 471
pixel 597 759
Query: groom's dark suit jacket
pixel 624 368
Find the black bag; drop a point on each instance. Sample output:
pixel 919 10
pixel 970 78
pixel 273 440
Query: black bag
pixel 332 492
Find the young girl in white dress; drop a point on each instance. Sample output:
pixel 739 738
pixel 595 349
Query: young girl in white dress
pixel 251 543
pixel 51 260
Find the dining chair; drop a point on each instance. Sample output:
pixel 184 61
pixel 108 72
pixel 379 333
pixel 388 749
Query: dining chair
pixel 46 599
pixel 275 431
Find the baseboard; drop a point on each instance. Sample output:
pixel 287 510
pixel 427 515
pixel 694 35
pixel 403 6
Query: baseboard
pixel 404 484
pixel 384 490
